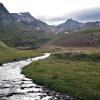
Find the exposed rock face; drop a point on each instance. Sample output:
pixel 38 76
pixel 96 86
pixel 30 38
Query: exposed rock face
pixel 5 16
pixel 26 16
pixel 91 25
pixel 3 10
pixel 70 25
pixel 29 21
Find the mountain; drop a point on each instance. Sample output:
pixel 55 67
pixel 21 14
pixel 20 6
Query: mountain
pixel 23 31
pixel 24 18
pixel 27 19
pixel 5 16
pixel 3 10
pixel 91 25
pixel 71 26
pixel 87 38
pixel 21 34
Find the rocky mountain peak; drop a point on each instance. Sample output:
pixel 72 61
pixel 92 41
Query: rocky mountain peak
pixel 71 21
pixel 3 10
pixel 25 16
pixel 5 16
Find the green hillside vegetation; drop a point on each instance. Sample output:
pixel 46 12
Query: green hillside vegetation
pixel 17 35
pixel 74 74
pixel 3 46
pixel 87 38
pixel 8 54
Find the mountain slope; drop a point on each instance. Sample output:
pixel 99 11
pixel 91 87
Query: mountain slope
pixel 18 34
pixel 89 38
pixel 71 26
pixel 91 25
pixel 3 46
pixel 5 16
pixel 27 19
pixel 24 31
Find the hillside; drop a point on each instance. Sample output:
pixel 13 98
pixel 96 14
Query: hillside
pixel 89 38
pixel 23 31
pixel 17 35
pixel 72 26
pixel 29 21
pixel 21 34
pixel 3 46
pixel 69 26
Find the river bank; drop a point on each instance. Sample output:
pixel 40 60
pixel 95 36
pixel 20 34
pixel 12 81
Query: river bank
pixel 77 75
pixel 10 55
pixel 73 76
pixel 15 86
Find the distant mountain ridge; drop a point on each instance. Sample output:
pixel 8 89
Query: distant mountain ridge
pixel 22 30
pixel 29 21
pixel 23 33
pixel 71 25
pixel 25 16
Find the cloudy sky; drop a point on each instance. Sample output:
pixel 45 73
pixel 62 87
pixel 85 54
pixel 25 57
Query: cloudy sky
pixel 50 11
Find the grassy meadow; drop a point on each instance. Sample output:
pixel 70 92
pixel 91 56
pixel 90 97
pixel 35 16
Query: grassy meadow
pixel 10 54
pixel 72 71
pixel 75 74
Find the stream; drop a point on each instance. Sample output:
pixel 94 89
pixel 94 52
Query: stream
pixel 15 86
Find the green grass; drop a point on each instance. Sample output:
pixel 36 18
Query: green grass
pixel 75 77
pixel 87 38
pixel 10 54
pixel 78 56
pixel 17 35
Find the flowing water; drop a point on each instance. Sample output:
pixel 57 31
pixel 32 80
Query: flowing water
pixel 15 86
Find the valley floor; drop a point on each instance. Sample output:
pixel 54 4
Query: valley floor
pixel 75 73
pixel 10 54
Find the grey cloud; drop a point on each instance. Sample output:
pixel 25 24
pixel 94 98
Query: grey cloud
pixel 82 16
pixel 61 18
pixel 87 15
